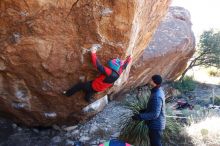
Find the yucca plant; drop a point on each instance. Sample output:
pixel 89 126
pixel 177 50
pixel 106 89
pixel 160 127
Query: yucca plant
pixel 171 132
pixel 136 132
pixel 174 133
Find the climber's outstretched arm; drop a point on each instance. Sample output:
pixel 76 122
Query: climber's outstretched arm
pixel 97 64
pixel 125 64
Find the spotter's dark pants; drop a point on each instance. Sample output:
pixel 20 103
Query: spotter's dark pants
pixel 155 137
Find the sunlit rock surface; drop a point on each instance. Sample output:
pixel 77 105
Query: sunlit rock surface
pixel 42 45
pixel 169 51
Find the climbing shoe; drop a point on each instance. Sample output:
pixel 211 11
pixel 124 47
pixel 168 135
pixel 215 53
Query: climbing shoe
pixel 90 100
pixel 64 93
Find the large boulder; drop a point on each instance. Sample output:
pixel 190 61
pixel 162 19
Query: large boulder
pixel 43 50
pixel 169 51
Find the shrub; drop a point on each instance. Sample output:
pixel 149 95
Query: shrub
pixel 217 100
pixel 174 133
pixel 205 132
pixel 171 131
pixel 204 128
pixel 187 84
pixel 136 132
pixel 213 73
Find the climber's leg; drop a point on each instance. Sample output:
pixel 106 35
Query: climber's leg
pixel 74 89
pixel 89 91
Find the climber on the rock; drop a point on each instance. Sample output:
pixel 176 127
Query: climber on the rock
pixel 107 78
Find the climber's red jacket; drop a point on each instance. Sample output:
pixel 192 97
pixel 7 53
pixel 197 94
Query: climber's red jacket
pixel 108 76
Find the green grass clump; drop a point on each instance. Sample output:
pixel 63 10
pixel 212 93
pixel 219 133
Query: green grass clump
pixel 187 84
pixel 217 100
pixel 136 132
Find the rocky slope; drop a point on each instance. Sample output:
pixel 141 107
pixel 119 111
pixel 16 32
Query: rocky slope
pixel 104 126
pixel 42 45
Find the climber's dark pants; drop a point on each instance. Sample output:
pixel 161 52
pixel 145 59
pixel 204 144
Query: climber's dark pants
pixel 86 87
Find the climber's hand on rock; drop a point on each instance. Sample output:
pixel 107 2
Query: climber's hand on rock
pixel 93 49
pixel 128 59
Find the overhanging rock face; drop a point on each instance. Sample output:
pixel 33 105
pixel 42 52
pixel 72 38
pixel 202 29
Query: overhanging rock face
pixel 42 45
pixel 167 54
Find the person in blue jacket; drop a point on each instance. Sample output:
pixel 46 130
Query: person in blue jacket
pixel 154 114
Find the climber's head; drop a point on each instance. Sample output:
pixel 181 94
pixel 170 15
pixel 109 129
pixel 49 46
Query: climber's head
pixel 114 64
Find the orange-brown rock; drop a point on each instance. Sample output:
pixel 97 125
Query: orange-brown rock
pixel 172 46
pixel 42 45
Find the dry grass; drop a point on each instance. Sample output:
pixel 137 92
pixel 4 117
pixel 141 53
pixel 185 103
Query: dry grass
pixel 205 132
pixel 202 75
